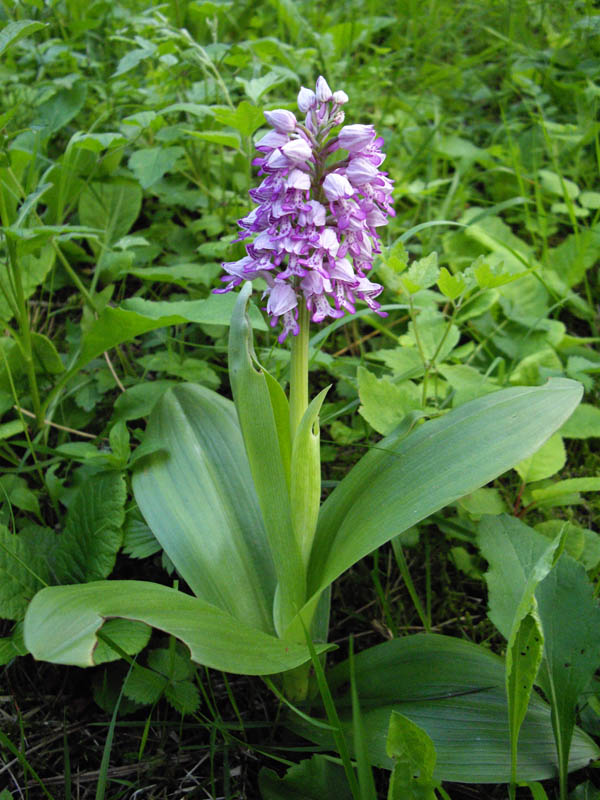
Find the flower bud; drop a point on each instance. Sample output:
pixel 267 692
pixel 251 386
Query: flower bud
pixel 324 93
pixel 282 120
pixel 340 98
pixel 355 137
pixel 306 99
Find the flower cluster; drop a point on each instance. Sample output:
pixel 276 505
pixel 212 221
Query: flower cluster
pixel 315 226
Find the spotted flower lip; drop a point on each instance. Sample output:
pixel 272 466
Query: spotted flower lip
pixel 314 230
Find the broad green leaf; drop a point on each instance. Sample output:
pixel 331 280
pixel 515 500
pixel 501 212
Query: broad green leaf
pixel 311 779
pixel 216 309
pixel 455 691
pixel 12 32
pixel 483 501
pixel 581 544
pixel 150 164
pixel 518 562
pixel 226 138
pixel 196 494
pixel 62 621
pixel 405 478
pixel 61 108
pixel 46 354
pixel 139 400
pixel 255 88
pixel 414 755
pixel 433 335
pixel 246 118
pixel 88 546
pixel 545 462
pixel 117 325
pixel 259 429
pixel 112 207
pixel 385 403
pixel 583 424
pixel 570 618
pixel 557 184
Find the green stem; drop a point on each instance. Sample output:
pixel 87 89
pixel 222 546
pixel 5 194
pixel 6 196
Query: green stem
pixel 299 371
pixel 25 341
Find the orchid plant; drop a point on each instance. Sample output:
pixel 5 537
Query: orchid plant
pixel 232 490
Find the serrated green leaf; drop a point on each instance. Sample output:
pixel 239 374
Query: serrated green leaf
pixel 130 635
pixel 584 423
pixel 23 572
pixel 384 403
pixel 451 285
pixel 144 686
pixel 184 696
pixel 246 118
pixel 421 274
pixel 311 779
pixel 88 546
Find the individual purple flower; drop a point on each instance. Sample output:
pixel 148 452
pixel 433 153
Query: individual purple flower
pixel 314 229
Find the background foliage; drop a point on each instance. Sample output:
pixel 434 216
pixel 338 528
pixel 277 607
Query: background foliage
pixel 127 137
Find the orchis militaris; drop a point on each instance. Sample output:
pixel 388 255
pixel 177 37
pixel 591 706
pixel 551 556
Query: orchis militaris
pixel 315 228
pixel 232 490
pixel 315 225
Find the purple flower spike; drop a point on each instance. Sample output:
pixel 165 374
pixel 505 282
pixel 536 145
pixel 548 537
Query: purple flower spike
pixel 315 226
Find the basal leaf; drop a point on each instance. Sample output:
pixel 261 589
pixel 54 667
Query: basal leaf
pixel 62 621
pixel 196 494
pixel 454 690
pixel 405 478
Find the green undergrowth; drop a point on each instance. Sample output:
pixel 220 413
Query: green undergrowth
pixel 126 138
